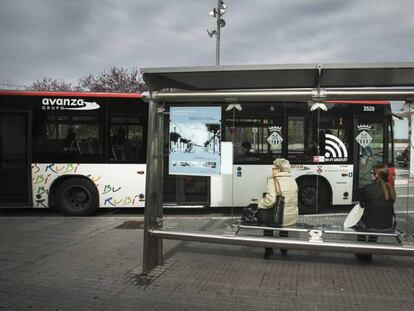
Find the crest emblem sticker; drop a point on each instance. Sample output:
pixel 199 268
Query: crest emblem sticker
pixel 364 138
pixel 275 138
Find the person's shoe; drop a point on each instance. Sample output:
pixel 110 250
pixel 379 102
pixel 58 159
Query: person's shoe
pixel 268 253
pixel 283 251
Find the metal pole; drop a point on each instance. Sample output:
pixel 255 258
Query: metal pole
pixel 218 35
pixel 411 138
pixel 153 246
pixel 347 247
pixel 302 94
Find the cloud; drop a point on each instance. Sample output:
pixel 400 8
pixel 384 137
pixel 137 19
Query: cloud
pixel 69 39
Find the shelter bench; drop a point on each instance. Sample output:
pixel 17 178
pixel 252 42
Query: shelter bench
pixel 316 233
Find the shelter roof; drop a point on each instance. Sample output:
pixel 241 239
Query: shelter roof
pixel 280 76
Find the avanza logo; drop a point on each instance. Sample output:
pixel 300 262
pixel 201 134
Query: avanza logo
pixel 68 104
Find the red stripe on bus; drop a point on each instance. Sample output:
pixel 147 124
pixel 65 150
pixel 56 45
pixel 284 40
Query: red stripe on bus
pixel 73 94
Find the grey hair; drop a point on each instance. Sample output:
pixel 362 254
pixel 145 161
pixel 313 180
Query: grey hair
pixel 281 165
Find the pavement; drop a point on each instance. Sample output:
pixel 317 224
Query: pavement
pixel 49 262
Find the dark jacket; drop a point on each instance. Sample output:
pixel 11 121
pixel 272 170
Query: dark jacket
pixel 378 213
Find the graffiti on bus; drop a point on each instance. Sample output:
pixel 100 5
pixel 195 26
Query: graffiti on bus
pixel 111 193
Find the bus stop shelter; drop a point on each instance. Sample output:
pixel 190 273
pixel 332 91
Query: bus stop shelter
pixel 233 85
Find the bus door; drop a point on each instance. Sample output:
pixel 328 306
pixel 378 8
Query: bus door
pixel 258 137
pixel 182 190
pixel 14 158
pixel 369 142
pixel 186 191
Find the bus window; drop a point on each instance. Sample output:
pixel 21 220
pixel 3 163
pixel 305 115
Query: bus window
pixel 68 138
pixel 126 139
pixel 246 140
pixel 255 141
pixel 302 141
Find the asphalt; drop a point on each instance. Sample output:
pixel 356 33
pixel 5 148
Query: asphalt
pixel 68 263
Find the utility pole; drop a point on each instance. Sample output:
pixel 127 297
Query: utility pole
pixel 218 12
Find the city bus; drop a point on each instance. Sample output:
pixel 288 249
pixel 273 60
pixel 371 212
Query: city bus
pixel 72 151
pixel 77 152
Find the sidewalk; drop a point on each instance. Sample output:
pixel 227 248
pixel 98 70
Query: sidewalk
pixel 63 263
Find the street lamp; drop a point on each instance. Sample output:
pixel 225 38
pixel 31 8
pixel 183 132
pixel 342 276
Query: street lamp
pixel 218 13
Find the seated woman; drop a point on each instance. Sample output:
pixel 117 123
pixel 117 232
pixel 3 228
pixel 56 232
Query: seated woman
pixel 289 189
pixel 377 199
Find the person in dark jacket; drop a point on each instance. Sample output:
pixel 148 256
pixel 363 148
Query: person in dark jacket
pixel 377 199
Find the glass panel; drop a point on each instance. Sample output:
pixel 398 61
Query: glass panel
pixel 188 142
pixel 325 155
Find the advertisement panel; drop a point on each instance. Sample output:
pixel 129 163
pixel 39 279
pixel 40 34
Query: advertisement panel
pixel 195 135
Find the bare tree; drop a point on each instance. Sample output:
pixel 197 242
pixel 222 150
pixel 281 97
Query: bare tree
pixel 52 85
pixel 114 80
pixel 215 130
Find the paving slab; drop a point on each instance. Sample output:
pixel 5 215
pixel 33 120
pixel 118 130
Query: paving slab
pixel 68 263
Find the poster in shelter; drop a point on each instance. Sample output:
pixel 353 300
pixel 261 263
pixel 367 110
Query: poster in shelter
pixel 195 141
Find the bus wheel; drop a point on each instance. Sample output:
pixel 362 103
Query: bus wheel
pixel 310 200
pixel 77 197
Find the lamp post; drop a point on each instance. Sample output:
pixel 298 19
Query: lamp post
pixel 218 12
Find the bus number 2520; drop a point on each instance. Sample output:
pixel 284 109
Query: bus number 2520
pixel 369 108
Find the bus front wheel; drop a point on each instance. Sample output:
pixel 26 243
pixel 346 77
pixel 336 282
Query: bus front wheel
pixel 77 197
pixel 313 198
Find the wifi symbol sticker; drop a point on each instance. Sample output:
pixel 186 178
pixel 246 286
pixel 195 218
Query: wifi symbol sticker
pixel 334 148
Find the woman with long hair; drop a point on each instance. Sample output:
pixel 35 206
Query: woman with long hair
pixel 377 199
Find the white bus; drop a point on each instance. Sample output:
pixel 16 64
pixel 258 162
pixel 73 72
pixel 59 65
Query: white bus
pixel 331 151
pixel 72 151
pixel 80 151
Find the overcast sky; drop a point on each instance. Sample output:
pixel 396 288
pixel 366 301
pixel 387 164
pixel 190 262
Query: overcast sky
pixel 69 39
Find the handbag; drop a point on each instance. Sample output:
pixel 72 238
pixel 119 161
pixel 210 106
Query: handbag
pixel 273 216
pixel 354 216
pixel 249 215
